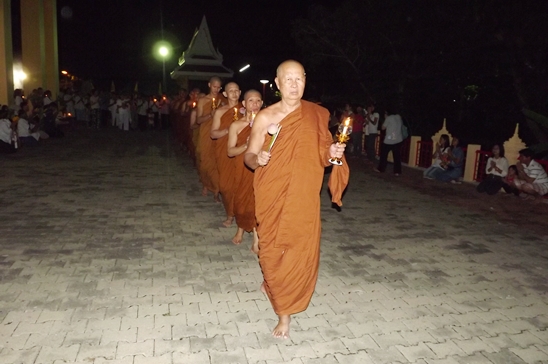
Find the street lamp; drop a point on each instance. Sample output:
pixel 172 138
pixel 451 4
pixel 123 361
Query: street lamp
pixel 264 82
pixel 162 50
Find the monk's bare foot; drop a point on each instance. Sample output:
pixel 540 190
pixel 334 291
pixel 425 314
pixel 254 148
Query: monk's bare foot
pixel 263 289
pixel 237 239
pixel 281 331
pixel 204 191
pixel 216 197
pixel 255 246
pixel 228 221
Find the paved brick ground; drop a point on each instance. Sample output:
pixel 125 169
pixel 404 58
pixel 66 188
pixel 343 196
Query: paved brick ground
pixel 109 255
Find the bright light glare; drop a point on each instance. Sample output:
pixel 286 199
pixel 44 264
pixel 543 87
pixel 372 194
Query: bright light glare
pixel 244 67
pixel 163 51
pixel 64 72
pixel 264 82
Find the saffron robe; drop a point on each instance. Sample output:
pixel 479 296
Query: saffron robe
pixel 225 164
pixel 244 198
pixel 209 174
pixel 287 207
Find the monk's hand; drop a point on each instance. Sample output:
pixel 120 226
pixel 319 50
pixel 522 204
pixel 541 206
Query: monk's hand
pixel 336 150
pixel 263 158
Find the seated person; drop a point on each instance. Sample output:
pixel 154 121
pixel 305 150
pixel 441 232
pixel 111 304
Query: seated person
pixel 532 178
pixel 440 158
pixel 6 132
pixel 508 182
pixel 455 157
pixel 496 169
pixel 26 135
pixel 50 121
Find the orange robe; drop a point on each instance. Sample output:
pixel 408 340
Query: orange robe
pixel 225 164
pixel 287 206
pixel 209 174
pixel 244 198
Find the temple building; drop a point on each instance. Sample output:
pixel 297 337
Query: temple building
pixel 201 60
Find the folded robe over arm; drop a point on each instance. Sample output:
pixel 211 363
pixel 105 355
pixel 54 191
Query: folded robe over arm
pixel 287 206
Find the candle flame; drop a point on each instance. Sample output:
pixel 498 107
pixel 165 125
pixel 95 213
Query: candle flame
pixel 347 121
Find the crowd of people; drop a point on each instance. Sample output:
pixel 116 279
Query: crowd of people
pixel 268 174
pixel 26 121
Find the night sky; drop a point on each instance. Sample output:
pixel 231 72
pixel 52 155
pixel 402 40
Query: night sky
pixel 112 40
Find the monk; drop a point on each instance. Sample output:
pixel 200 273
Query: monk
pixel 224 116
pixel 195 134
pixel 244 199
pixel 287 186
pixel 207 105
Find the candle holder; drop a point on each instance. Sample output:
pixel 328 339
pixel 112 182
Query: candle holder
pixel 345 129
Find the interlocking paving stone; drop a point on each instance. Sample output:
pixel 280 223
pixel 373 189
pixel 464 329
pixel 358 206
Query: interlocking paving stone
pixel 110 255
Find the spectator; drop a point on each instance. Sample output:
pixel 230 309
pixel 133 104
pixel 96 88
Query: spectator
pixel 392 141
pixel 6 132
pixel 455 158
pixel 508 182
pixel 532 178
pixel 47 98
pixel 496 169
pixel 50 121
pixel 440 158
pixel 26 135
pixel 371 131
pixel 357 132
pixel 94 120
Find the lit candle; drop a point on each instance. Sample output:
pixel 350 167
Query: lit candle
pixel 346 123
pixel 194 104
pixel 235 117
pixel 213 106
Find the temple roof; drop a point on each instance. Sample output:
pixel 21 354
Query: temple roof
pixel 201 60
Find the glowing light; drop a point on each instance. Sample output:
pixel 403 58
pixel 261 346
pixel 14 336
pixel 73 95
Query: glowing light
pixel 163 51
pixel 264 82
pixel 64 72
pixel 244 67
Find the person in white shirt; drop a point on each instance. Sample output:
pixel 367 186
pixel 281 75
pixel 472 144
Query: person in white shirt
pixel 532 178
pixel 79 107
pixel 26 135
pixel 113 108
pixel 142 112
pixel 124 116
pixel 6 132
pixel 392 141
pixel 47 98
pixel 495 170
pixel 94 110
pixel 164 111
pixel 371 131
pixel 69 102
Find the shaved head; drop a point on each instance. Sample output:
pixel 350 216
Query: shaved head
pixel 252 92
pixel 231 84
pixel 215 79
pixel 288 64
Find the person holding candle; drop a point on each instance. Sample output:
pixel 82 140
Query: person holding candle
pixel 287 187
pixel 244 198
pixel 209 174
pixel 223 118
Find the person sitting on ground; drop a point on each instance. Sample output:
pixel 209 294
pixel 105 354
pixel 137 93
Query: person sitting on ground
pixel 49 121
pixel 508 184
pixel 6 132
pixel 455 158
pixel 440 158
pixel 26 135
pixel 532 178
pixel 496 169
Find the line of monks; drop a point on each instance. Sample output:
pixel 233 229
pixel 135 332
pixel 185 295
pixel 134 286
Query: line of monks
pixel 272 192
pixel 215 131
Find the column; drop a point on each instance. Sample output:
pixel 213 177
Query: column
pixel 6 54
pixel 33 43
pixel 51 50
pixel 470 166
